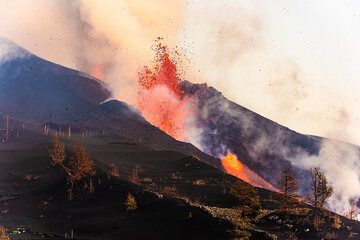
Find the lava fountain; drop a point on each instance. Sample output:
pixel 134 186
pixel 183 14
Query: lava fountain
pixel 163 104
pixel 160 97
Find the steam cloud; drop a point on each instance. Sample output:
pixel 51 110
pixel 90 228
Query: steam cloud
pixel 341 165
pixel 108 39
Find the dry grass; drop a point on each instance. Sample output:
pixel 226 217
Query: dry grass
pixel 199 182
pixel 298 211
pixel 147 180
pixel 3 233
pixel 170 190
pixel 290 236
pixel 176 176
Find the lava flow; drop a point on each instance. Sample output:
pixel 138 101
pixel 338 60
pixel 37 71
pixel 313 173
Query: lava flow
pixel 235 167
pixel 160 97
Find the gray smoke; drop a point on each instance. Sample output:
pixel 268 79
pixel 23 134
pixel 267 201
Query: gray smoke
pixel 268 147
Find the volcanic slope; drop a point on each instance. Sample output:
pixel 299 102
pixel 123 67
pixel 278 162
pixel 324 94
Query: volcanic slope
pixel 33 197
pixel 178 196
pixel 262 145
pixel 36 90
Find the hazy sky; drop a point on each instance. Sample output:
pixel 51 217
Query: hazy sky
pixel 302 69
pixel 295 62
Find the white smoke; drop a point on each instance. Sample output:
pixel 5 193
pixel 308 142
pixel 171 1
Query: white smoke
pixel 340 163
pixel 9 51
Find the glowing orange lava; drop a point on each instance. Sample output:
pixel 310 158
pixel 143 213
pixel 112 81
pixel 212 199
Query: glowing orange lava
pixel 160 97
pixel 163 73
pixel 235 167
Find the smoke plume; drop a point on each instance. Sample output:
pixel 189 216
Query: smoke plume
pixel 109 39
pixel 340 163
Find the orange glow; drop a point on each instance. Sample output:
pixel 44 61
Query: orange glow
pixel 97 71
pixel 235 167
pixel 160 97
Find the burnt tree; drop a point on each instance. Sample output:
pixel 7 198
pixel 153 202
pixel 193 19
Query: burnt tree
pixel 77 167
pixel 57 153
pixel 289 185
pixel 321 191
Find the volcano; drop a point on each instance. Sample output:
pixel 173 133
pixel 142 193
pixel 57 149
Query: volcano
pixel 176 185
pixel 34 89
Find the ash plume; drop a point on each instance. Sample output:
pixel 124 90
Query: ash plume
pixel 108 39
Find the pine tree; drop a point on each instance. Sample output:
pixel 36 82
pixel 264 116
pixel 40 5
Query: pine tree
pixel 289 185
pixel 321 191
